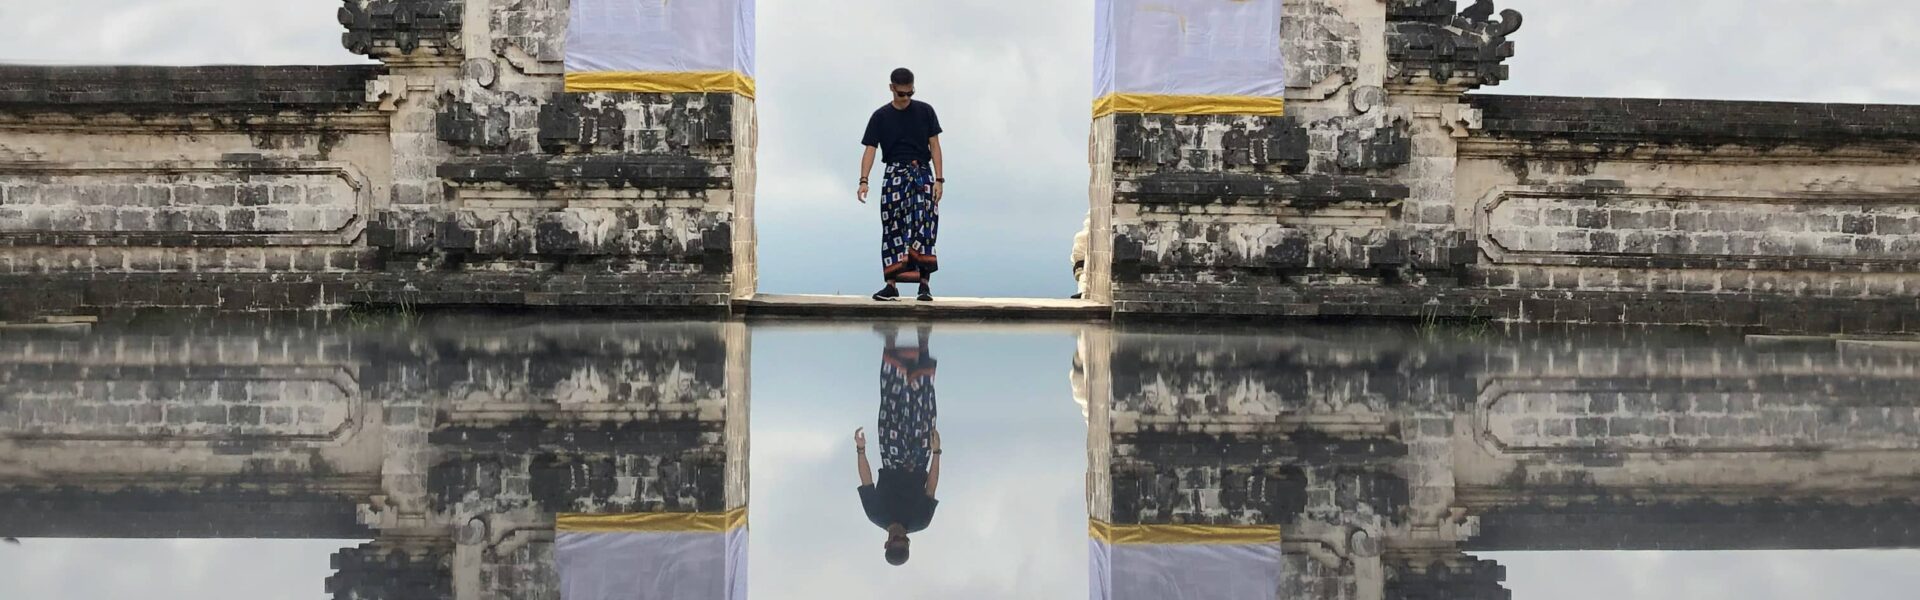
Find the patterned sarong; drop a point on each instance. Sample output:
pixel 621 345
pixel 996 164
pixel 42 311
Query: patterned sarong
pixel 910 221
pixel 907 408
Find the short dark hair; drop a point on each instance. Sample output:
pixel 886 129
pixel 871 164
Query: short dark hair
pixel 902 76
pixel 897 556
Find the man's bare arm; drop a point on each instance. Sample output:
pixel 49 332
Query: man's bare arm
pixel 866 166
pixel 939 167
pixel 933 476
pixel 933 471
pixel 860 449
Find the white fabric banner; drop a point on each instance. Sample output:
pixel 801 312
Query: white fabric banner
pixel 1188 56
pixel 695 44
pixel 647 565
pixel 1183 562
pixel 1195 572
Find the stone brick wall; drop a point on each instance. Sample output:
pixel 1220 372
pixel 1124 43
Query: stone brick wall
pixel 1730 212
pixel 228 187
pixel 457 172
pixel 508 190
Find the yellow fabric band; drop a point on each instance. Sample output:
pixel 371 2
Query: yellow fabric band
pixel 1183 534
pixel 1188 105
pixel 662 82
pixel 630 522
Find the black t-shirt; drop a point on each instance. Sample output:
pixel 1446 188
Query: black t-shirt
pixel 902 133
pixel 900 497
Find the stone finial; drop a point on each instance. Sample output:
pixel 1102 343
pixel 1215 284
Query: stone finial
pixel 399 28
pixel 1461 120
pixel 1427 42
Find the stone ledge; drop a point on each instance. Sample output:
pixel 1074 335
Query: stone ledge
pixel 1230 188
pixel 778 305
pixel 1697 121
pixel 1797 523
pixel 245 89
pixel 1753 312
pixel 637 170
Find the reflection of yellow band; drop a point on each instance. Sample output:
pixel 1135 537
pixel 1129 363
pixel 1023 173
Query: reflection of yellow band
pixel 681 522
pixel 1188 105
pixel 1182 534
pixel 661 83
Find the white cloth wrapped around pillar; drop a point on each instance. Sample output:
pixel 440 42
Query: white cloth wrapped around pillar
pixel 660 46
pixel 1184 562
pixel 652 555
pixel 1188 57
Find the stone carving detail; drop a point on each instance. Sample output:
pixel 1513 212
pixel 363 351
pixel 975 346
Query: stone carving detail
pixel 1692 414
pixel 482 71
pixel 1448 578
pixel 463 124
pixel 392 28
pixel 377 571
pixel 1378 148
pixel 1179 142
pixel 1366 98
pixel 244 201
pixel 531 35
pixel 573 122
pixel 1742 230
pixel 1426 41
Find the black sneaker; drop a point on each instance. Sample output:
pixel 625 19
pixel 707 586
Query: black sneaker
pixel 887 294
pixel 926 294
pixel 1077 297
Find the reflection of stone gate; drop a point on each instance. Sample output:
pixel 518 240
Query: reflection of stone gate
pixel 458 172
pixel 1385 460
pixel 453 452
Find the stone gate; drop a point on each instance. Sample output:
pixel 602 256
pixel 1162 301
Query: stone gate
pixel 458 171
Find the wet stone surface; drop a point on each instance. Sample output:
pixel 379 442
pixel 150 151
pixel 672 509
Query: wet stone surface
pixel 450 455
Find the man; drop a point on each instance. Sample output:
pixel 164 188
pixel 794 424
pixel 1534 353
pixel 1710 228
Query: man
pixel 903 500
pixel 906 132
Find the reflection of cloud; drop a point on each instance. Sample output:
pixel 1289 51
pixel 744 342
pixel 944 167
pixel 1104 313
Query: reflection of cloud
pixel 1727 575
pixel 227 569
pixel 1012 516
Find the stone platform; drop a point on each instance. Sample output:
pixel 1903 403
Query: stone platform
pixel 1043 309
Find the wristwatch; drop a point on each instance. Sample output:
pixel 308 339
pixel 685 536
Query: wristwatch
pixel 939 180
pixel 936 452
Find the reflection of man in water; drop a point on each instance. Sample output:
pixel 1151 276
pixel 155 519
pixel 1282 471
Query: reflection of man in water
pixel 903 501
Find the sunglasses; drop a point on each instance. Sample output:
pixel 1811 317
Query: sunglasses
pixel 907 94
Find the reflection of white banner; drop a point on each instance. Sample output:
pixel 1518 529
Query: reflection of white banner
pixel 660 46
pixel 1188 57
pixel 652 555
pixel 1182 562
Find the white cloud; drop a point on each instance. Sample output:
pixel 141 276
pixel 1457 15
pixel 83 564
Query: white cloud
pixel 1712 575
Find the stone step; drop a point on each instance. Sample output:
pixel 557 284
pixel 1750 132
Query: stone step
pixel 785 305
